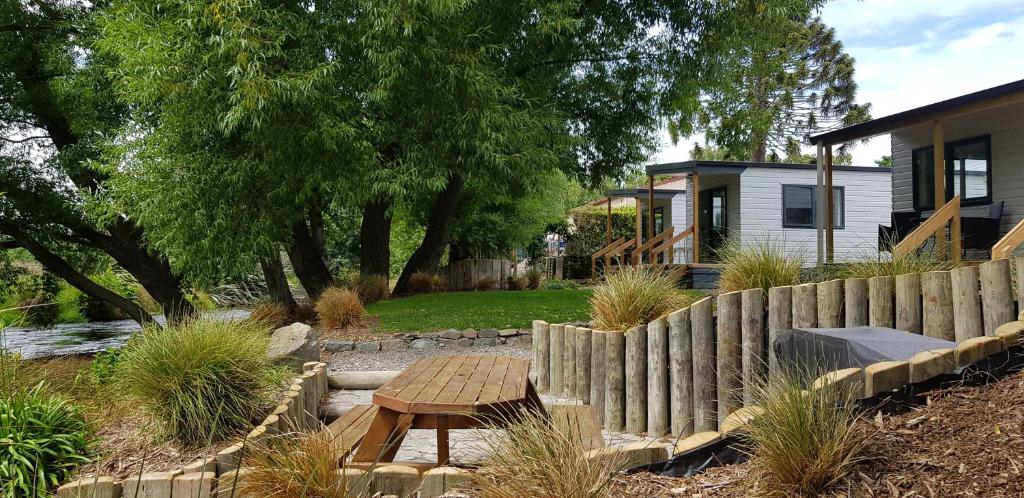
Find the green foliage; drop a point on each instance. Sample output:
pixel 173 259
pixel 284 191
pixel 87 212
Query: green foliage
pixel 43 439
pixel 884 162
pixel 205 380
pixel 634 296
pixel 590 233
pixel 103 367
pixel 762 264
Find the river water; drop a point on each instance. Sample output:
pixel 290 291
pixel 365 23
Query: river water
pixel 82 338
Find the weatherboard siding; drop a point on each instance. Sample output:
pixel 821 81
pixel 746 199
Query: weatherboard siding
pixel 867 205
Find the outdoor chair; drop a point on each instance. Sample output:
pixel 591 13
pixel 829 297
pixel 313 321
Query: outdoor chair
pixel 902 223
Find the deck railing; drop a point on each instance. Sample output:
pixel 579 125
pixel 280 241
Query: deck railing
pixel 638 253
pixel 949 213
pixel 617 249
pixel 666 247
pixel 1009 243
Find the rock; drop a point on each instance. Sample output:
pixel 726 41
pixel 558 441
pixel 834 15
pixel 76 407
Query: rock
pixel 423 343
pixel 485 341
pixel 469 334
pixel 294 345
pixel 464 342
pixel 526 332
pixel 368 346
pixel 336 345
pixel 488 333
pixel 524 340
pixel 450 334
pixel 393 345
pixel 445 343
pixel 500 340
pixel 508 332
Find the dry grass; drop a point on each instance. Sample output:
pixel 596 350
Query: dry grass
pixel 761 265
pixel 518 283
pixel 425 283
pixel 300 465
pixel 805 442
pixel 633 296
pixel 372 288
pixel 269 314
pixel 533 275
pixel 532 458
pixel 339 308
pixel 485 283
pixel 875 266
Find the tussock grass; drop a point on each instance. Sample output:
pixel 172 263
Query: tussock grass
pixel 204 380
pixel 339 308
pixel 372 288
pixel 532 458
pixel 425 283
pixel 299 465
pixel 485 283
pixel 805 441
pixel 761 265
pixel 876 266
pixel 269 314
pixel 633 296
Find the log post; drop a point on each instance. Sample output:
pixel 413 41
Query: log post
pixel 1020 283
pixel 636 380
pixel 615 382
pixel 542 355
pixel 569 363
pixel 937 296
pixel 996 294
pixel 880 292
pixel 805 306
pixel 598 372
pixel 830 304
pixel 657 378
pixel 856 294
pixel 755 363
pixel 584 342
pixel 780 318
pixel 729 354
pixel 704 379
pixel 908 303
pixel 557 333
pixel 680 354
pixel 966 303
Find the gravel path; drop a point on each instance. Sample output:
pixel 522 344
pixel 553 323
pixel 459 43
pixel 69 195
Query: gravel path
pixel 398 360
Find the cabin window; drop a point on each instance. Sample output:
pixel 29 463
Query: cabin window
pixel 968 173
pixel 799 206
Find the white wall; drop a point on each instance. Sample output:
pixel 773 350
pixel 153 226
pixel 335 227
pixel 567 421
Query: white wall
pixel 868 198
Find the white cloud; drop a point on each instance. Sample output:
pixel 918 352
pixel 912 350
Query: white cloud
pixel 866 18
pixel 981 38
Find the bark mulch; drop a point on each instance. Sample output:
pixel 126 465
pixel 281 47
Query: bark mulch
pixel 968 441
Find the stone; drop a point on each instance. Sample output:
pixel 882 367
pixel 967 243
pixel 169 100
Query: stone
pixel 488 333
pixel 445 343
pixel 368 346
pixel 524 340
pixel 929 364
pixel 464 342
pixel 148 485
pixel 450 334
pixel 294 345
pixel 526 332
pixel 423 343
pixel 469 334
pixel 501 341
pixel 334 346
pixel 393 345
pixel 485 342
pixel 508 333
pixel 885 376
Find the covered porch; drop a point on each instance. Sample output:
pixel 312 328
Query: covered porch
pixel 956 167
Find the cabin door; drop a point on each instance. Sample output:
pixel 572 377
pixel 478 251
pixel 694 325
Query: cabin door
pixel 714 224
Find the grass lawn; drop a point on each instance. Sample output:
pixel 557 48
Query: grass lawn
pixel 481 310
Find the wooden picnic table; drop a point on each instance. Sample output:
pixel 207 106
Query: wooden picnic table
pixel 447 392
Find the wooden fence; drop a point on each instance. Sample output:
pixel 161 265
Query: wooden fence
pixel 464 274
pixel 686 372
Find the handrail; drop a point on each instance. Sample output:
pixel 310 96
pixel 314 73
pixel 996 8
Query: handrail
pixel 937 221
pixel 667 245
pixel 1009 243
pixel 638 253
pixel 601 252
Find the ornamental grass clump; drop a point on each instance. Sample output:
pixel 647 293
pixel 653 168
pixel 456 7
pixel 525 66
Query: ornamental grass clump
pixel 338 308
pixel 372 288
pixel 633 296
pixel 532 458
pixel 805 442
pixel 875 266
pixel 269 314
pixel 204 380
pixel 761 265
pixel 300 465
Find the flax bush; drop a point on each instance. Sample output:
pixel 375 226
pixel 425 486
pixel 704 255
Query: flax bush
pixel 633 296
pixel 205 380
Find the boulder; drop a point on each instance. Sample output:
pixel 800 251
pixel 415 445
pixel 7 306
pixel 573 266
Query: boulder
pixel 464 342
pixel 485 341
pixel 336 345
pixel 488 333
pixel 393 345
pixel 508 332
pixel 451 334
pixel 423 343
pixel 294 345
pixel 469 334
pixel 372 346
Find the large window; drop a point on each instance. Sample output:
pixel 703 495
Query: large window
pixel 968 173
pixel 799 206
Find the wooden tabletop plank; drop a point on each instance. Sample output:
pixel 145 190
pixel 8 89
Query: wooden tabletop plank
pixel 492 387
pixel 397 398
pixel 439 381
pixel 425 373
pixel 467 398
pixel 457 383
pixel 393 387
pixel 514 388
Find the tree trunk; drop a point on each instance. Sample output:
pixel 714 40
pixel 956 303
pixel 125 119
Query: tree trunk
pixel 375 237
pixel 760 151
pixel 307 256
pixel 427 257
pixel 56 265
pixel 277 282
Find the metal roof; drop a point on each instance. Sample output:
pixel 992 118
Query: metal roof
pixel 642 192
pixel 737 167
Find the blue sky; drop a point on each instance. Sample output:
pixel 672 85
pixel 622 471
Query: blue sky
pixel 914 52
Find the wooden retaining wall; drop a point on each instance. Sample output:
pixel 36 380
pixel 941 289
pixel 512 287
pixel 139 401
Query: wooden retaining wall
pixel 690 371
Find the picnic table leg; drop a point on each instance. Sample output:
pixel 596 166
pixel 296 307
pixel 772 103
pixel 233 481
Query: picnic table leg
pixel 385 435
pixel 442 440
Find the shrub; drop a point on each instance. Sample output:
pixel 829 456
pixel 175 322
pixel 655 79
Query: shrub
pixel 339 308
pixel 423 283
pixel 306 465
pixel 517 283
pixel 205 380
pixel 633 296
pixel 558 284
pixel 485 283
pixel 269 314
pixel 372 288
pixel 590 233
pixel 761 265
pixel 533 275
pixel 43 439
pixel 532 458
pixel 804 442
